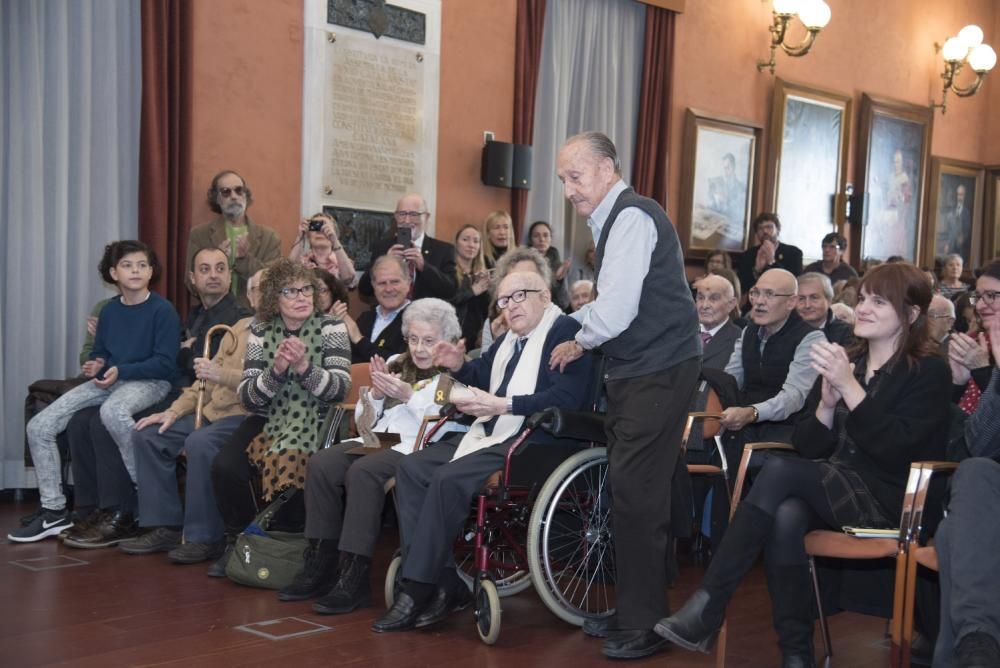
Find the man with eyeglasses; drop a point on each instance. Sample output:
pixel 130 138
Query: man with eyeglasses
pixel 815 299
pixel 832 265
pixel 940 320
pixel 770 363
pixel 248 246
pixel 431 262
pixel 434 487
pixel 644 321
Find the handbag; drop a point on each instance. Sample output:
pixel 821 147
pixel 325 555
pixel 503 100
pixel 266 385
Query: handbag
pixel 267 559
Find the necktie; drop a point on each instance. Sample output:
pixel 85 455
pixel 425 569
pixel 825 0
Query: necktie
pixel 705 338
pixel 507 374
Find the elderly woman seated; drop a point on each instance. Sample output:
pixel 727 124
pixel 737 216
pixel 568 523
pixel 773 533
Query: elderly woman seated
pixel 345 488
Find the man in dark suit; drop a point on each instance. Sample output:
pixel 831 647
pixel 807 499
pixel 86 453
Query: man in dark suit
pixel 380 330
pixel 768 253
pixel 431 262
pixel 815 299
pixel 715 301
pixel 435 486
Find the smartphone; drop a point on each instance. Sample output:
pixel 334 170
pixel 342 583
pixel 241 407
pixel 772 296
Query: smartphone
pixel 404 237
pixel 315 225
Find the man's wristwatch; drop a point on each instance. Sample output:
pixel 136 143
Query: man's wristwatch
pixel 756 414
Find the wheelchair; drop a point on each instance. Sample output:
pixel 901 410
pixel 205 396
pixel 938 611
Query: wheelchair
pixel 550 530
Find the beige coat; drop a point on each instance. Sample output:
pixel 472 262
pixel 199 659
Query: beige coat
pixel 221 399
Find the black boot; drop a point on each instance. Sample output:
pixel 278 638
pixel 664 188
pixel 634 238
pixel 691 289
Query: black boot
pixel 318 573
pixel 353 589
pixel 218 568
pixel 695 626
pixel 792 608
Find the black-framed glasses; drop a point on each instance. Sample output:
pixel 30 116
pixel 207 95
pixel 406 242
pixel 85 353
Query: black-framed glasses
pixel 768 295
pixel 404 215
pixel 293 293
pixel 226 191
pixel 517 297
pixel 988 296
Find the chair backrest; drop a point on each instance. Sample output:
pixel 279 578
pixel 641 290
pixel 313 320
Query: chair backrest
pixel 361 375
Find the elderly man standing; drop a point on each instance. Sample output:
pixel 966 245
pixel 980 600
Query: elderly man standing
pixel 249 246
pixel 431 262
pixel 644 320
pixel 435 486
pixel 815 299
pixel 771 363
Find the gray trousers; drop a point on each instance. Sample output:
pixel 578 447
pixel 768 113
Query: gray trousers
pixel 156 465
pixel 968 545
pixel 118 403
pixel 433 496
pixel 345 495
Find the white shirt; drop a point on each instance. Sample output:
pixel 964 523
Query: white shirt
pixel 715 330
pixel 624 267
pixel 384 318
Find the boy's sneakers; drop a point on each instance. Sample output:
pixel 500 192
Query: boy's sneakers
pixel 44 524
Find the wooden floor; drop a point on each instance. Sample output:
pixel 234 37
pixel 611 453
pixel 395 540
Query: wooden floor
pixel 60 606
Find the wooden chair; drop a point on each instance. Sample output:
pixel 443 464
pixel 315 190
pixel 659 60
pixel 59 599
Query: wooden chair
pixel 360 376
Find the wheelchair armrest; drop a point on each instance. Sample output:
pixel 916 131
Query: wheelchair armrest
pixel 576 425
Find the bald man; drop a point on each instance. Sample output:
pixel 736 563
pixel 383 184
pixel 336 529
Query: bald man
pixel 770 362
pixel 715 300
pixel 431 262
pixel 940 319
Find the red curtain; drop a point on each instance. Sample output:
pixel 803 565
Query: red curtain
pixel 165 140
pixel 652 140
pixel 527 54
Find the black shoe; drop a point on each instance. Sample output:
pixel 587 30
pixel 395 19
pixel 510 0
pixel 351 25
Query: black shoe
pixel 446 601
pixel 352 591
pixel 921 650
pixel 218 568
pixel 600 627
pixel 319 572
pixel 978 650
pixel 688 627
pixel 45 523
pixel 632 644
pixel 84 525
pixel 792 608
pixel 195 553
pixel 402 616
pixel 160 539
pixel 115 527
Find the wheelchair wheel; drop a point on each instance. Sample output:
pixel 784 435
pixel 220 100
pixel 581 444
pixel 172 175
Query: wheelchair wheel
pixel 390 579
pixel 570 546
pixel 509 581
pixel 488 611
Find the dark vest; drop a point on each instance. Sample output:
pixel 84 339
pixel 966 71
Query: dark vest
pixel 763 377
pixel 664 333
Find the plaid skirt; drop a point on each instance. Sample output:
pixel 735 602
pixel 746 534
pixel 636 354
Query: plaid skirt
pixel 851 500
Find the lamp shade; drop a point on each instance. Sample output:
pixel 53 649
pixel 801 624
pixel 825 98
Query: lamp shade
pixel 814 13
pixel 971 35
pixel 954 50
pixel 786 7
pixel 982 58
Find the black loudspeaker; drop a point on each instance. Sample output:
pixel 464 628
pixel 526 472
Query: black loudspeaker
pixel 522 167
pixel 498 164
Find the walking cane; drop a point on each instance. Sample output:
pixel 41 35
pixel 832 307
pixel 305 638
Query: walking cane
pixel 201 383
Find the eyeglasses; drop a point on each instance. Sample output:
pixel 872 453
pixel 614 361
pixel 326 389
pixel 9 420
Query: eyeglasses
pixel 226 191
pixel 989 296
pixel 416 341
pixel 323 290
pixel 767 295
pixel 517 297
pixel 403 215
pixel 293 293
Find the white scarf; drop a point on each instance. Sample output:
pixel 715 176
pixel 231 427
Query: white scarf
pixel 522 382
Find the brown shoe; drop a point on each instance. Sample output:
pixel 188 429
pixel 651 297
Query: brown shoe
pixel 195 553
pixel 114 528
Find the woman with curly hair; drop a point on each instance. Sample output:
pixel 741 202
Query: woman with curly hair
pixel 297 364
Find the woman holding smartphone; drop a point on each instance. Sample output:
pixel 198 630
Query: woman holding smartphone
pixel 880 407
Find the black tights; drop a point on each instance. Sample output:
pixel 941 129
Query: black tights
pixel 791 490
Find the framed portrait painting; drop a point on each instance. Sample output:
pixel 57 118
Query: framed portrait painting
pixel 955 211
pixel 991 230
pixel 893 154
pixel 718 181
pixel 807 162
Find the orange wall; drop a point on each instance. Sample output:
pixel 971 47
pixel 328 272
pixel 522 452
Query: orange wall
pixel 247 111
pixel 884 48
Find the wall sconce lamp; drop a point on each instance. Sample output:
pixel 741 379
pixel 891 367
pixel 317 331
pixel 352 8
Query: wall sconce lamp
pixel 966 48
pixel 814 15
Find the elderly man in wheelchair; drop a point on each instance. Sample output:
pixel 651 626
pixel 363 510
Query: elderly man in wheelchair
pixel 435 486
